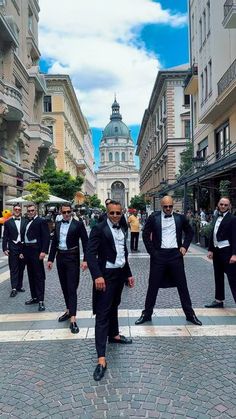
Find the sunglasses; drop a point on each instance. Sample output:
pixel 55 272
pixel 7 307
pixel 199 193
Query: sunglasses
pixel 224 205
pixel 17 209
pixel 167 206
pixel 115 213
pixel 31 210
pixel 66 212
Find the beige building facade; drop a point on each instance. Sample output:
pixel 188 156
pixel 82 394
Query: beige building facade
pixel 117 176
pixel 212 86
pixel 163 134
pixel 72 142
pixel 24 140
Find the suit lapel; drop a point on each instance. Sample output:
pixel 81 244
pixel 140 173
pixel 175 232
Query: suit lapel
pixel 72 227
pixel 109 236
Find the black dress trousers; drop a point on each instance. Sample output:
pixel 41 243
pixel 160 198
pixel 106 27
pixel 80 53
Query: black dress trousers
pixel 68 266
pixel 36 271
pixel 16 265
pixel 221 266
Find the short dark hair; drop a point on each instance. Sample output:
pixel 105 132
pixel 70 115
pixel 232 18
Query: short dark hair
pixel 107 201
pixel 66 204
pixel 31 205
pixel 113 202
pixel 16 205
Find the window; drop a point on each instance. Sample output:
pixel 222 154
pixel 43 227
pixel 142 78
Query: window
pixel 123 156
pixel 102 157
pixel 47 104
pixel 202 88
pixel 222 140
pixel 116 129
pixel 30 20
pixel 192 26
pixel 110 157
pixel 187 129
pixel 195 113
pixel 210 76
pixel 51 129
pixel 206 83
pixel 200 33
pixel 186 100
pixel 208 17
pixel 117 158
pixel 204 26
pixel 202 148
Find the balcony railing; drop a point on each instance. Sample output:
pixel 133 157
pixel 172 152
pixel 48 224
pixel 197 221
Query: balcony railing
pixel 227 78
pixel 228 6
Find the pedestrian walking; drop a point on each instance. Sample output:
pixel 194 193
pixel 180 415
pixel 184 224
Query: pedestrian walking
pixel 222 250
pixel 134 225
pixel 36 244
pixel 107 258
pixel 162 236
pixel 12 246
pixel 65 247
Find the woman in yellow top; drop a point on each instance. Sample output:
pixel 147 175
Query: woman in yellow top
pixel 134 225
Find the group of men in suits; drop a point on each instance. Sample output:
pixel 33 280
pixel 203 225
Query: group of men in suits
pixel 166 235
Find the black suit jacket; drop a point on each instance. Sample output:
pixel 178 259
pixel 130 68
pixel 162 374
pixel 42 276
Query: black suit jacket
pixel 11 233
pixel 226 231
pixel 76 231
pixel 38 230
pixel 152 232
pixel 101 249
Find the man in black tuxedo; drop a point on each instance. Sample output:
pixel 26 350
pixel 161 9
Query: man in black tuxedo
pixel 12 246
pixel 162 236
pixel 37 239
pixel 107 258
pixel 222 249
pixel 65 246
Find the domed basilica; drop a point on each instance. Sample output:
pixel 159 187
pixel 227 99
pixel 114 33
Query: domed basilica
pixel 117 176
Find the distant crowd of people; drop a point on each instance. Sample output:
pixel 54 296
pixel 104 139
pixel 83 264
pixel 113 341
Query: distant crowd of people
pixel 167 235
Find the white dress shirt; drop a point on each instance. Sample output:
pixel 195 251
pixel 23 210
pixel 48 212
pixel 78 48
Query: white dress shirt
pixel 63 235
pixel 168 230
pixel 119 240
pixel 26 231
pixel 17 223
pixel 222 243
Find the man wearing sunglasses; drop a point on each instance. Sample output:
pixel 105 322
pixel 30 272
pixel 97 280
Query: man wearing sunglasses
pixel 162 236
pixel 12 246
pixel 65 246
pixel 107 258
pixel 222 250
pixel 36 244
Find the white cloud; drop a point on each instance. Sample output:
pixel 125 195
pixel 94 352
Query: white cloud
pixel 97 43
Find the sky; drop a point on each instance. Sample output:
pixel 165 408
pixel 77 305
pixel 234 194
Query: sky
pixel 109 48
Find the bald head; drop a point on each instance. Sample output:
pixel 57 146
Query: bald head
pixel 167 204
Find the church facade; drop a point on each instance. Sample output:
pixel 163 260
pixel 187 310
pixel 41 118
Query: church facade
pixel 117 176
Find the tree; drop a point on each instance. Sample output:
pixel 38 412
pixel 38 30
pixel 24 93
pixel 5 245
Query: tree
pixel 186 159
pixel 61 183
pixel 138 202
pixel 93 201
pixel 39 192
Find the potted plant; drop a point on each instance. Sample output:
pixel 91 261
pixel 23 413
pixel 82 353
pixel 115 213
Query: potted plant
pixel 205 232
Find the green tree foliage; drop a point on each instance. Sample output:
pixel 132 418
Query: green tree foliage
pixel 61 183
pixel 93 201
pixel 39 192
pixel 186 159
pixel 138 202
pixel 225 188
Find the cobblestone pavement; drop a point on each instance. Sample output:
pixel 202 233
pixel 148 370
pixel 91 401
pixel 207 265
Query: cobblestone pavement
pixel 172 370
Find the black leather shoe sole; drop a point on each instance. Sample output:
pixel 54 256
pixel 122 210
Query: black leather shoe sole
pixel 143 319
pixel 64 317
pixel 194 320
pixel 41 307
pixel 215 305
pixel 123 340
pixel 74 328
pixel 99 372
pixel 32 301
pixel 13 293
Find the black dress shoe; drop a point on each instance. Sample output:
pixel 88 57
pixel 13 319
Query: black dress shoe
pixel 20 290
pixel 122 340
pixel 41 306
pixel 193 319
pixel 74 328
pixel 99 372
pixel 64 317
pixel 31 301
pixel 13 293
pixel 143 318
pixel 215 304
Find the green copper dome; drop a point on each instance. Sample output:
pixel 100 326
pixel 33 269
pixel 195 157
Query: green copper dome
pixel 116 128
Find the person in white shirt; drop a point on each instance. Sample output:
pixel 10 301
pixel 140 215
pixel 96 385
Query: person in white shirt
pixel 222 250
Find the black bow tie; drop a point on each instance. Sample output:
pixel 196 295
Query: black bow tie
pixel 65 221
pixel 17 219
pixel 116 226
pixel 167 215
pixel 220 214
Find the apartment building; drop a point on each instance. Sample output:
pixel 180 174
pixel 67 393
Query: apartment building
pixel 24 140
pixel 72 143
pixel 163 134
pixel 212 86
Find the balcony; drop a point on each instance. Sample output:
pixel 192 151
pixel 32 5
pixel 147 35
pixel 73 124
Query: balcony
pixel 229 21
pixel 191 81
pixel 80 163
pixel 33 48
pixel 41 134
pixel 11 97
pixel 226 96
pixel 40 83
pixel 7 30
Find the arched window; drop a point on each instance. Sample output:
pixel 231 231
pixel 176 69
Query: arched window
pixel 117 156
pixel 102 156
pixel 110 157
pixel 123 156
